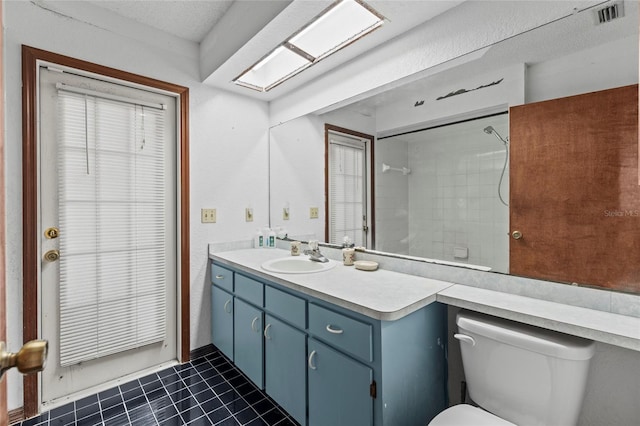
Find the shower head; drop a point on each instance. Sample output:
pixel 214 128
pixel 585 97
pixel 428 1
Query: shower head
pixel 490 130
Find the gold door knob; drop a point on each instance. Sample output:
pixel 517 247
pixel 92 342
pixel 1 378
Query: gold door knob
pixel 30 359
pixel 52 255
pixel 516 235
pixel 52 232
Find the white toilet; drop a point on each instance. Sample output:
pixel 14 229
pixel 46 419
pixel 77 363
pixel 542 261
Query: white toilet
pixel 518 374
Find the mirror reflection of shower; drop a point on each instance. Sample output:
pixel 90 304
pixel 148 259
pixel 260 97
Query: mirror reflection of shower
pixel 436 192
pixel 490 130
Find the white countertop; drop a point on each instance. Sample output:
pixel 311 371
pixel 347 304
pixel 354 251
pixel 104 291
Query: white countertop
pixel 388 295
pixel 618 330
pixel 383 295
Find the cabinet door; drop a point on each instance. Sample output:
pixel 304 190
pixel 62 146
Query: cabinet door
pixel 285 368
pixel 248 349
pixel 339 388
pixel 222 320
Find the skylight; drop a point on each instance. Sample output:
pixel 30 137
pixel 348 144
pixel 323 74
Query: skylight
pixel 342 23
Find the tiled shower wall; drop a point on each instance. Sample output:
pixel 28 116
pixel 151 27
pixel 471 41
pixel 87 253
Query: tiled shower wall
pixel 452 194
pixel 392 198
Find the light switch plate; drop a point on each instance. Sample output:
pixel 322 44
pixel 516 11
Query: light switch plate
pixel 208 215
pixel 248 214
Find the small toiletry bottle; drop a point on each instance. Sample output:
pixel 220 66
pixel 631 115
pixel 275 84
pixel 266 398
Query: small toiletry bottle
pixel 272 238
pixel 258 239
pixel 265 237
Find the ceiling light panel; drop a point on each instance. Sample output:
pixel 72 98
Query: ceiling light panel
pixel 341 24
pixel 275 67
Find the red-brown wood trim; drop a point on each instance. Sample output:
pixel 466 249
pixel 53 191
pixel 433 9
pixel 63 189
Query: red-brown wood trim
pixel 15 416
pixel 185 251
pixel 372 218
pixel 29 221
pixel 30 57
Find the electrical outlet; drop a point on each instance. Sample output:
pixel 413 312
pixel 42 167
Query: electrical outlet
pixel 313 213
pixel 248 214
pixel 208 215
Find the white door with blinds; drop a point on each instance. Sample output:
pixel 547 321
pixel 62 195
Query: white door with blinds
pixel 108 219
pixel 347 189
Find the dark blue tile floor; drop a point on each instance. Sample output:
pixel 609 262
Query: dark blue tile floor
pixel 209 390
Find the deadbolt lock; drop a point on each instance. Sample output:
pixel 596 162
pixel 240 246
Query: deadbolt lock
pixel 52 255
pixel 52 232
pixel 516 235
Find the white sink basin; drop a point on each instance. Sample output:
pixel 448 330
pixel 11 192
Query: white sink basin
pixel 296 265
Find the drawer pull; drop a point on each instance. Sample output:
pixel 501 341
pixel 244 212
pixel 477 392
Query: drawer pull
pixel 226 305
pixel 253 325
pixel 310 361
pixel 266 332
pixel 219 277
pixel 334 330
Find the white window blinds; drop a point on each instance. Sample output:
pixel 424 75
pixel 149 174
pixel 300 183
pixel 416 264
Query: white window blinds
pixel 346 193
pixel 112 226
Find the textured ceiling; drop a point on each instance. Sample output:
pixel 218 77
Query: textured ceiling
pixel 188 19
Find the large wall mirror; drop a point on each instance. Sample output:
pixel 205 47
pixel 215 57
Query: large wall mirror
pixel 440 166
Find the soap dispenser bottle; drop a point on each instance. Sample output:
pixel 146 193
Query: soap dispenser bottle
pixel 272 238
pixel 258 239
pixel 265 237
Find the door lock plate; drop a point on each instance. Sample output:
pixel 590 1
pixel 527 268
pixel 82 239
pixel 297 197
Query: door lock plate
pixel 51 233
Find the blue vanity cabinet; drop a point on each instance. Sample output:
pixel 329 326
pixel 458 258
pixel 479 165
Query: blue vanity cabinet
pixel 285 351
pixel 222 320
pixel 339 388
pixel 284 367
pixel 328 365
pixel 247 334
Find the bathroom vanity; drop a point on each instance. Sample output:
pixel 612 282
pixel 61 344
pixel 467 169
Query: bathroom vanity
pixel 338 347
pixel 404 313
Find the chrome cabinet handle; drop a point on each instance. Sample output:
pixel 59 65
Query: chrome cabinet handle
pixel 310 361
pixel 266 332
pixel 219 277
pixel 226 305
pixel 253 325
pixel 464 338
pixel 334 330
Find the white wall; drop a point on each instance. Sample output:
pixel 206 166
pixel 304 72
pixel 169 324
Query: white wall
pixel 228 141
pixel 297 150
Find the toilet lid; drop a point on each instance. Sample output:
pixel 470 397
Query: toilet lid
pixel 467 415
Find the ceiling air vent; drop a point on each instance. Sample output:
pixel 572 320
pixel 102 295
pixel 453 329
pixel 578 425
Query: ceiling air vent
pixel 610 12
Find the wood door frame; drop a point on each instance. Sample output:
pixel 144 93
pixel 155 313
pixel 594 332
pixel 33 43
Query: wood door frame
pixel 30 257
pixel 372 222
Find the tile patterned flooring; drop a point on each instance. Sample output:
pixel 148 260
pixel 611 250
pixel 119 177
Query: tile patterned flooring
pixel 209 390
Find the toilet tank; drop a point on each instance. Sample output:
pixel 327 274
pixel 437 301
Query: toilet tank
pixel 521 373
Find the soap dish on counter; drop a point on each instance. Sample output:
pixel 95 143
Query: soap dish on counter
pixel 365 265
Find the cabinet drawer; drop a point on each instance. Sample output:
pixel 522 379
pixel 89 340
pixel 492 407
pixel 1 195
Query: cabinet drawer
pixel 249 290
pixel 289 308
pixel 346 333
pixel 222 277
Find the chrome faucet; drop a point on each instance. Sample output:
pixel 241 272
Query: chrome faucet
pixel 314 252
